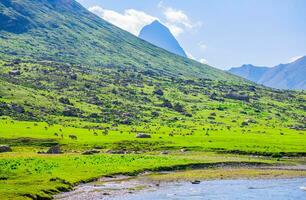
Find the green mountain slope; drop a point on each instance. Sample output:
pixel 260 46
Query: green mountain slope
pixel 62 30
pixel 60 61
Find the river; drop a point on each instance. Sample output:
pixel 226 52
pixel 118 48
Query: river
pixel 133 189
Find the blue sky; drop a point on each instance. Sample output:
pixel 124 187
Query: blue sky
pixel 224 33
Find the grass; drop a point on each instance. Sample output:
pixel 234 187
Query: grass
pixel 26 174
pixel 40 136
pixel 29 175
pixel 225 173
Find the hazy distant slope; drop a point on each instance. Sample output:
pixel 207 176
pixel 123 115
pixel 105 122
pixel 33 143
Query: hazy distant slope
pixel 286 76
pixel 62 30
pixel 250 72
pixel 159 35
pixel 283 76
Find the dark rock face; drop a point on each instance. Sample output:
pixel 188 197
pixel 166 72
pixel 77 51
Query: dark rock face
pixel 4 148
pixel 54 150
pixel 143 135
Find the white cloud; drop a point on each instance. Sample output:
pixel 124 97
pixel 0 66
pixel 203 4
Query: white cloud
pixel 130 20
pixel 175 30
pixel 133 20
pixel 177 16
pixel 203 60
pixel 177 20
pixel 189 55
pixel 294 58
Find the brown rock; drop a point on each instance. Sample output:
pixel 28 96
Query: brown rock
pixel 54 150
pixel 4 148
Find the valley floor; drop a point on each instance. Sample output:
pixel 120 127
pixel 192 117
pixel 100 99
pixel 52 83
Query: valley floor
pixel 29 173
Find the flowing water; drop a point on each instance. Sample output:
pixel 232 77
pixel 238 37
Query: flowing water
pixel 268 189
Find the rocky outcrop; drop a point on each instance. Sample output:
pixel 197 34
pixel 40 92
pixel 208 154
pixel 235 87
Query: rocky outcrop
pixel 4 148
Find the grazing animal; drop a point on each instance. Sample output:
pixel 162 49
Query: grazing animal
pixel 73 137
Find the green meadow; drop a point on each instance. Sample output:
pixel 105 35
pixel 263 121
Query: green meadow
pixel 34 137
pixel 26 174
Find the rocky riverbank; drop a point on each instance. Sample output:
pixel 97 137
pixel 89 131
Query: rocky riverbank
pixel 110 187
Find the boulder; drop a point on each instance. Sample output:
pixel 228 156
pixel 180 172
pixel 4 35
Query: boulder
pixel 167 104
pixel 164 152
pixel 54 150
pixel 195 182
pixel 4 148
pixel 237 97
pixel 143 135
pixel 115 152
pixel 64 100
pixel 90 152
pixel 159 92
pixel 15 73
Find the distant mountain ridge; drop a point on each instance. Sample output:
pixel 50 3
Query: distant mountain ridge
pixel 283 76
pixel 159 35
pixel 250 72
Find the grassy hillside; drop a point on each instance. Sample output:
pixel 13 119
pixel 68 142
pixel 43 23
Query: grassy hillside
pixel 103 99
pixel 63 30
